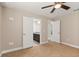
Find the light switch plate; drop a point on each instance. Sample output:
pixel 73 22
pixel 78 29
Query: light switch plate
pixel 11 18
pixel 11 43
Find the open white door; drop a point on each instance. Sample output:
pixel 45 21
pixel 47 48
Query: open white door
pixel 56 31
pixel 27 32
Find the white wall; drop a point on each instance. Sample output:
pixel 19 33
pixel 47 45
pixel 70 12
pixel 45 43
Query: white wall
pixel 70 28
pixel 0 27
pixel 12 30
pixel 44 31
pixel 36 26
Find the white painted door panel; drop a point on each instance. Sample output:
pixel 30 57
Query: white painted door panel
pixel 27 32
pixel 56 31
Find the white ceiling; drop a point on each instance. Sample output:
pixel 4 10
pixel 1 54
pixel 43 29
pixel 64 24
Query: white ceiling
pixel 35 7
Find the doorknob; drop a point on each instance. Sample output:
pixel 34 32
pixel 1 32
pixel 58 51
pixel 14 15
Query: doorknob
pixel 24 33
pixel 51 32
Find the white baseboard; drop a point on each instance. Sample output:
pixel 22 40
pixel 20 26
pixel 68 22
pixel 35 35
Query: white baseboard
pixel 43 42
pixel 70 45
pixel 54 41
pixel 6 51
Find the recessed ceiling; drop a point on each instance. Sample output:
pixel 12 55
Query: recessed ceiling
pixel 35 7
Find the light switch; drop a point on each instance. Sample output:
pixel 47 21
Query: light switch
pixel 11 18
pixel 11 43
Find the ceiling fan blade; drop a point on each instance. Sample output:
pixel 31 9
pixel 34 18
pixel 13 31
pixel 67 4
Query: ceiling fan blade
pixel 63 2
pixel 47 6
pixel 52 10
pixel 56 2
pixel 65 7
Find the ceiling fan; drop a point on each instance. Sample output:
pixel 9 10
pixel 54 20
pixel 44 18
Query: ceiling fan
pixel 57 5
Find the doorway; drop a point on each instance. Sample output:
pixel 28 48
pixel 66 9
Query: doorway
pixel 54 31
pixel 36 31
pixel 31 32
pixel 27 32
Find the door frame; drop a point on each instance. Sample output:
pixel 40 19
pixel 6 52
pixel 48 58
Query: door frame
pixel 59 30
pixel 40 27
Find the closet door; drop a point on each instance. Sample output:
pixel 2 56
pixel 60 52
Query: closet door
pixel 27 32
pixel 56 31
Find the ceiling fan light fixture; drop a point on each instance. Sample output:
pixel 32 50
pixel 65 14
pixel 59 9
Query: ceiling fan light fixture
pixel 57 6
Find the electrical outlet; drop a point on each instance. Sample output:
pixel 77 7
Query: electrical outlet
pixel 11 18
pixel 11 43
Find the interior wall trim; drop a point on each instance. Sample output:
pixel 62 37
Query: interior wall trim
pixel 44 42
pixel 15 49
pixel 75 46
